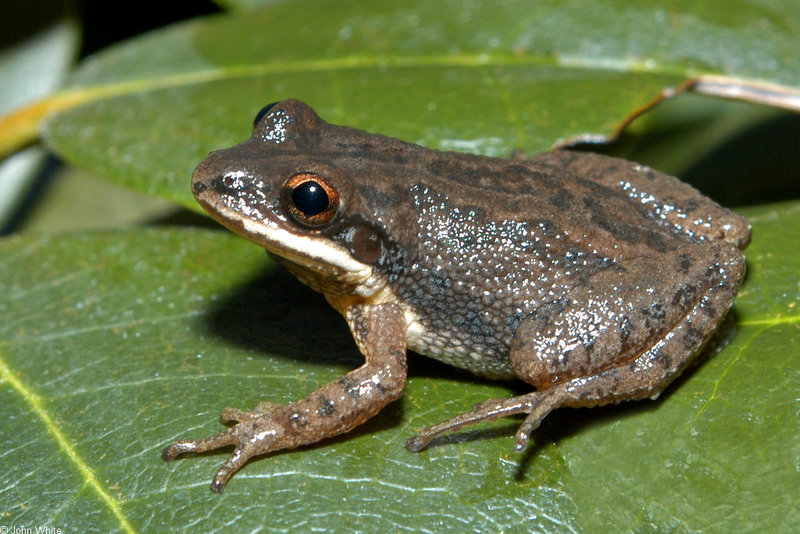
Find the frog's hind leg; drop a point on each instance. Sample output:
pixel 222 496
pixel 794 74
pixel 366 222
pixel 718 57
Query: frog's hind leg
pixel 574 375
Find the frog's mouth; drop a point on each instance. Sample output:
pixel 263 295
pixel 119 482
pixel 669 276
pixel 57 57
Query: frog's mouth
pixel 237 203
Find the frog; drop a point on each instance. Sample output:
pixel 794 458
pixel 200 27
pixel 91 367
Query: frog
pixel 592 279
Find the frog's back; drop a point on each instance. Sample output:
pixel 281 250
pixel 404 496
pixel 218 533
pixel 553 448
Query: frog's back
pixel 493 240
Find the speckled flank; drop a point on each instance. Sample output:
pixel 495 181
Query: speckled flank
pixel 472 280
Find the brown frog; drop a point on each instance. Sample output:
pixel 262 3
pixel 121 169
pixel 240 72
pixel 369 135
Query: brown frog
pixel 593 279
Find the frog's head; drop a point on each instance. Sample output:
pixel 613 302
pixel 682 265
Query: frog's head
pixel 282 190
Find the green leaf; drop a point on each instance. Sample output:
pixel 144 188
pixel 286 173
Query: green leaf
pixel 246 5
pixel 114 344
pixel 482 77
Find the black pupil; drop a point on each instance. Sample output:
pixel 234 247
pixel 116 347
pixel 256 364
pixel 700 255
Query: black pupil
pixel 310 198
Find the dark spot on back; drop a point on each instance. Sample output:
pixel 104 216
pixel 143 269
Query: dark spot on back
pixel 655 240
pixel 562 200
pixel 685 296
pixel 692 338
pixel 684 263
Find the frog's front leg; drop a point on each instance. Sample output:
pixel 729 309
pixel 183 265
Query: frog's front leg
pixel 622 342
pixel 336 408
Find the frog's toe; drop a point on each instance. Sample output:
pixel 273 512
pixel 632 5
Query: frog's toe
pixel 485 411
pixel 417 443
pixel 235 462
pixel 239 435
pixel 210 443
pixel 234 415
pixel 536 405
pixel 528 427
pixel 173 450
pixel 539 404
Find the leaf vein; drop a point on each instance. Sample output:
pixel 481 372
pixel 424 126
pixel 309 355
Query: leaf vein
pixel 35 401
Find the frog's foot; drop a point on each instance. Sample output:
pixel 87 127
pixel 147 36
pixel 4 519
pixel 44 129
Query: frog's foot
pixel 335 408
pixel 247 436
pixel 273 427
pixel 537 405
pixel 240 435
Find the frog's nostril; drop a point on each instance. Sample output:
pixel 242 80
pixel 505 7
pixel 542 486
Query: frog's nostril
pixel 198 187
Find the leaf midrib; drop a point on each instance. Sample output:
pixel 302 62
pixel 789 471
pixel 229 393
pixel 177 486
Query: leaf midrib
pixel 86 472
pixel 101 91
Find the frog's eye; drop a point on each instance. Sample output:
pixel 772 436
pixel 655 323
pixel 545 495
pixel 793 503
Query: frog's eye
pixel 310 199
pixel 261 113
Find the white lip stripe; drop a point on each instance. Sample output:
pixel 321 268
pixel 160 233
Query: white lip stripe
pixel 305 248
